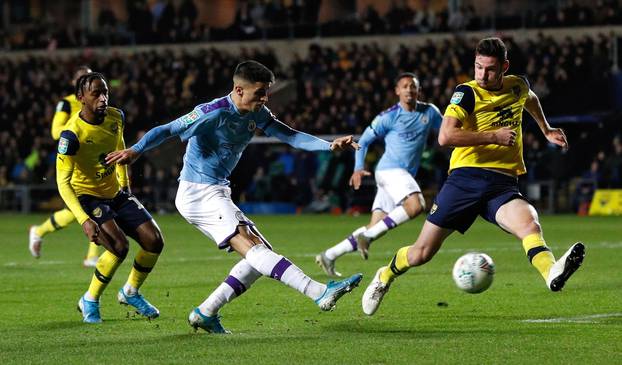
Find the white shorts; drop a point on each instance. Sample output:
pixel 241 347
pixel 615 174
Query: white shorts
pixel 394 185
pixel 211 210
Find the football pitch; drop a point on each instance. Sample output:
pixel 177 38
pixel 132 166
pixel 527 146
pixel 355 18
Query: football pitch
pixel 423 319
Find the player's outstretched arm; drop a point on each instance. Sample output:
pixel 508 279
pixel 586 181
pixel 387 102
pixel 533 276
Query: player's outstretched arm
pixel 357 178
pixel 553 135
pixel 343 143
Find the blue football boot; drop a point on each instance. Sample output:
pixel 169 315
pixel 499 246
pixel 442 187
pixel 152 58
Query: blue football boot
pixel 197 320
pixel 89 310
pixel 143 307
pixel 335 290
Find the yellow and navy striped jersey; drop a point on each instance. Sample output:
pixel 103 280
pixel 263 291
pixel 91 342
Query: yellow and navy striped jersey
pixel 482 110
pixel 65 108
pixel 82 149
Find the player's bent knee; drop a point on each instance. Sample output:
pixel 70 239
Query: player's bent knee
pixel 121 251
pixel 414 205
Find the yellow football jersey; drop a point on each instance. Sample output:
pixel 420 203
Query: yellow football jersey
pixel 65 108
pixel 82 149
pixel 482 110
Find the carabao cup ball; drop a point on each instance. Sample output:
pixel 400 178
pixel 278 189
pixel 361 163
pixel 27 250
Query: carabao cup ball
pixel 474 272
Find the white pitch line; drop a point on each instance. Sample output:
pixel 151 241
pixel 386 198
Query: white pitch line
pixel 592 318
pixel 512 246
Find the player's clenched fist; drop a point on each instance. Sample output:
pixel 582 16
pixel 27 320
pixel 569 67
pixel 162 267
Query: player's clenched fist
pixel 504 137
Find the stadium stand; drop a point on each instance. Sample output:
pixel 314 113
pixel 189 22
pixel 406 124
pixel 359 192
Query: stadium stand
pixel 339 86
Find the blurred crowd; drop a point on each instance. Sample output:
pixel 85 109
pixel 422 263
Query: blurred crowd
pixel 167 21
pixel 338 91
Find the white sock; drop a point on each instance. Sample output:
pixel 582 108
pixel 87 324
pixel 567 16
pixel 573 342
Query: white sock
pixel 345 246
pixel 271 264
pixel 396 217
pixel 129 290
pixel 89 297
pixel 241 277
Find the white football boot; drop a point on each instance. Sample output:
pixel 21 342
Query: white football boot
pixel 563 268
pixel 374 293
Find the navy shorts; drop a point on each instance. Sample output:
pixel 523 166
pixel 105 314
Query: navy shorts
pixel 124 208
pixel 469 192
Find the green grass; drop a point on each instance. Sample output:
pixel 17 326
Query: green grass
pixel 274 324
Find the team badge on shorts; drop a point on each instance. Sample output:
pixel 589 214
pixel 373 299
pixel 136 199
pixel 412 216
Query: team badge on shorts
pixel 433 209
pixel 97 212
pixel 456 98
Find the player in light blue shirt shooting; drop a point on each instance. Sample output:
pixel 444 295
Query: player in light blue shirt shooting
pixel 217 133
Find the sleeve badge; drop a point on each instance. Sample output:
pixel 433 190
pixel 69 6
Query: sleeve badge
pixel 63 145
pixel 456 98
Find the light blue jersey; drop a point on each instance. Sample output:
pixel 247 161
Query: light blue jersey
pixel 217 134
pixel 404 135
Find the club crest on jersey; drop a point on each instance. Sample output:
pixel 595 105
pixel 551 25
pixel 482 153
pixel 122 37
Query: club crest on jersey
pixel 191 117
pixel 252 125
pixel 456 98
pixel 516 91
pixel 114 128
pixel 63 145
pixel 97 212
pixel 425 119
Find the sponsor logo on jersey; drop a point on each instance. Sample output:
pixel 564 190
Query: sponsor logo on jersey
pixel 456 98
pixel 63 145
pixel 190 118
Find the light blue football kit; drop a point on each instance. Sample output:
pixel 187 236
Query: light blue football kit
pixel 217 134
pixel 404 135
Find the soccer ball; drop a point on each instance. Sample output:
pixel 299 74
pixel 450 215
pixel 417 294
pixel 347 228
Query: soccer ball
pixel 473 272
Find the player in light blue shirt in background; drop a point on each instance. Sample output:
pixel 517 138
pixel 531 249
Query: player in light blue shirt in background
pixel 404 128
pixel 217 133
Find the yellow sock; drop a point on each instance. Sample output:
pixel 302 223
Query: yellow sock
pixel 58 220
pixel 106 266
pixel 398 266
pixel 539 254
pixel 143 264
pixel 93 250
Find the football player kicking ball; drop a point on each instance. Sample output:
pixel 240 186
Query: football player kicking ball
pixel 404 128
pixel 105 207
pixel 217 133
pixel 483 123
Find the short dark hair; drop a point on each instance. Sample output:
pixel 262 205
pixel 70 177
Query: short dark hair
pixel 492 47
pixel 405 74
pixel 87 79
pixel 253 71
